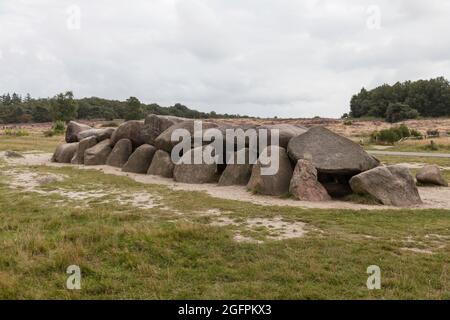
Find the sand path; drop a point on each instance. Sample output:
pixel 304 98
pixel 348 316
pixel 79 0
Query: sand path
pixel 433 197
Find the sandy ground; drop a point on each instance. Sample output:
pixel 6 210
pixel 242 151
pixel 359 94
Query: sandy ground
pixel 433 197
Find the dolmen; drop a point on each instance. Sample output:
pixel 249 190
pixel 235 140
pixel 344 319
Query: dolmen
pixel 308 164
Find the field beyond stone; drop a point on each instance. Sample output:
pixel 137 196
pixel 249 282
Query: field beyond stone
pixel 135 240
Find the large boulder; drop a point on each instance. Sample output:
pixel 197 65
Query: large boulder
pixel 431 175
pixel 286 132
pixel 65 152
pixel 237 173
pixel 129 130
pixel 304 184
pixel 98 154
pixel 140 160
pixel 161 165
pixel 391 185
pixel 154 125
pixel 120 153
pixel 83 145
pixel 330 152
pixel 99 134
pixel 164 140
pixel 187 171
pixel 276 184
pixel 73 129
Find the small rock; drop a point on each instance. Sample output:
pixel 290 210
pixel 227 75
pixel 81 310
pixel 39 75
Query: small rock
pixel 431 175
pixel 13 154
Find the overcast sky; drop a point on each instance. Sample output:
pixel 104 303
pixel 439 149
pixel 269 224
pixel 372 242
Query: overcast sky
pixel 288 58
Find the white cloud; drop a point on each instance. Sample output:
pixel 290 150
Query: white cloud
pixel 260 57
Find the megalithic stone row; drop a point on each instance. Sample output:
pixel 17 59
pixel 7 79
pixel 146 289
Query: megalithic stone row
pixel 98 154
pixel 120 153
pixel 73 129
pixel 64 152
pixel 276 184
pixel 83 145
pixel 161 165
pixel 140 160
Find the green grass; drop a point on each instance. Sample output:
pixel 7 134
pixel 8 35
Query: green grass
pixel 28 143
pixel 172 251
pixel 159 253
pixel 444 162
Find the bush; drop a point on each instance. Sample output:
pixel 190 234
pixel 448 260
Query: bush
pixel 16 132
pixel 391 135
pixel 397 112
pixel 348 122
pixel 416 134
pixel 59 127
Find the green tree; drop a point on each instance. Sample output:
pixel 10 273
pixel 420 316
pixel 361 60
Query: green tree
pixel 63 107
pixel 41 114
pixel 397 112
pixel 430 98
pixel 134 109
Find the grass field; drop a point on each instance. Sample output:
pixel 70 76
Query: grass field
pixel 441 145
pixel 179 247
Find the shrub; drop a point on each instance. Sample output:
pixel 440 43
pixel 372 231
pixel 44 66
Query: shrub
pixel 348 122
pixel 59 127
pixel 416 134
pixel 397 112
pixel 16 132
pixel 403 131
pixel 391 135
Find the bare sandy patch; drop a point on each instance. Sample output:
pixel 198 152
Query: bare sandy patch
pixel 32 182
pixel 417 250
pixel 276 228
pixel 428 244
pixel 280 229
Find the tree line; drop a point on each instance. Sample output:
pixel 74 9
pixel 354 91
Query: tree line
pixel 64 107
pixel 403 100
